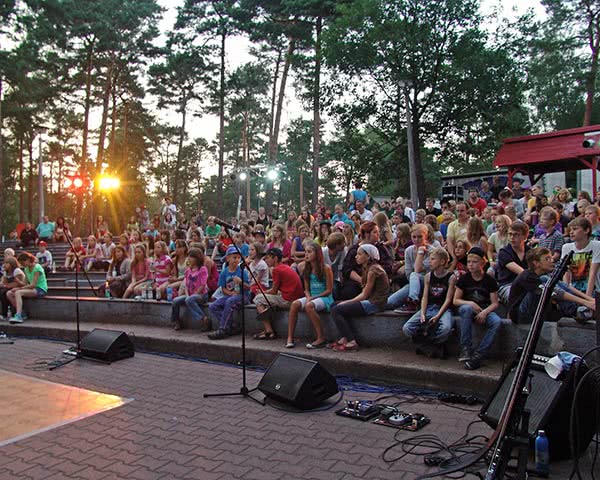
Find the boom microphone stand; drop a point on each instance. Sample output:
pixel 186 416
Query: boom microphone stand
pixel 244 391
pixel 77 351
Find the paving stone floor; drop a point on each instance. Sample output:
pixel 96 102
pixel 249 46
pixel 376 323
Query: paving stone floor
pixel 169 431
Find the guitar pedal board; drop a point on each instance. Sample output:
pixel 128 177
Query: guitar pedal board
pixel 386 415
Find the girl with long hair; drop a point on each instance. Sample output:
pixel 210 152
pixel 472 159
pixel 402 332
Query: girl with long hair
pixel 279 240
pixel 35 287
pixel 13 277
pixel 195 293
pixel 318 290
pixel 119 273
pixel 179 257
pixel 162 266
pixel 140 271
pixel 297 251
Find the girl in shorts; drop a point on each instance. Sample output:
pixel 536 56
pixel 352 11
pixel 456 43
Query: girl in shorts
pixel 36 286
pixel 318 289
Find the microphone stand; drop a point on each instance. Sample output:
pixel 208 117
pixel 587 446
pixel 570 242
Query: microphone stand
pixel 244 391
pixel 77 351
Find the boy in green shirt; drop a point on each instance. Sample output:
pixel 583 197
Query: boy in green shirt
pixel 36 286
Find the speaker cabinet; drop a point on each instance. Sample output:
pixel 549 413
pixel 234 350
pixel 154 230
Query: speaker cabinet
pixel 107 345
pixel 549 403
pixel 297 381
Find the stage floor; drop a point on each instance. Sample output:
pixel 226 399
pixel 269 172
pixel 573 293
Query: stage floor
pixel 29 405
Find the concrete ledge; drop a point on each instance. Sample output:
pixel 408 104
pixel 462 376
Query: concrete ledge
pixel 382 330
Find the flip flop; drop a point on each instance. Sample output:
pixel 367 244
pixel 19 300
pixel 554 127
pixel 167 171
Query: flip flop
pixel 314 346
pixel 345 348
pixel 290 345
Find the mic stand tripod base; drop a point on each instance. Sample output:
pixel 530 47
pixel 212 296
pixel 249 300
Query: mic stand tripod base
pixel 244 392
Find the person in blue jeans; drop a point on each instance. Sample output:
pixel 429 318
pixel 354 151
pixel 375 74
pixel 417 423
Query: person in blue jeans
pixel 230 281
pixel 431 326
pixel 476 297
pixel 527 288
pixel 195 291
pixel 416 258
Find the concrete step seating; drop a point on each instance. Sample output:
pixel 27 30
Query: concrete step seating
pixel 381 330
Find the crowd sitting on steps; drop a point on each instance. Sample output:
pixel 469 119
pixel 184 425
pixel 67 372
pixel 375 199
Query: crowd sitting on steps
pixel 438 265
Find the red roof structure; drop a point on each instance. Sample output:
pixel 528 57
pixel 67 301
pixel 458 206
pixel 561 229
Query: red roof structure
pixel 563 150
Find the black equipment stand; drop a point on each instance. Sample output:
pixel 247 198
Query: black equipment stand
pixel 77 352
pixel 244 390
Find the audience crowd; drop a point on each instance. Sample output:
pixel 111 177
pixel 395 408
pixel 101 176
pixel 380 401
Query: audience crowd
pixel 469 262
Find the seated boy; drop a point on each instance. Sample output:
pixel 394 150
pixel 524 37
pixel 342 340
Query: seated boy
pixel 476 297
pixel 44 257
pixel 526 291
pixel 230 281
pixel 432 325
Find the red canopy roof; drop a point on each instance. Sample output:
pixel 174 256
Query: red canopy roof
pixel 548 152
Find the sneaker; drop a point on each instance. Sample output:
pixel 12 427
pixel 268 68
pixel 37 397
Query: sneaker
pixel 465 354
pixel 3 318
pixel 24 316
pixel 583 314
pixel 17 318
pixel 219 334
pixel 409 308
pixel 474 362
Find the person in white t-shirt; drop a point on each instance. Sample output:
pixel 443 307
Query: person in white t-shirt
pixel 365 215
pixel 584 269
pixel 44 256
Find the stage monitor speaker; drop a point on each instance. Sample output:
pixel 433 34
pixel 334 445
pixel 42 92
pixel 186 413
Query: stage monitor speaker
pixel 107 345
pixel 297 381
pixel 549 403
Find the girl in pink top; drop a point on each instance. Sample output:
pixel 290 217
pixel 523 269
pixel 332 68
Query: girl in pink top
pixel 162 265
pixel 140 271
pixel 196 292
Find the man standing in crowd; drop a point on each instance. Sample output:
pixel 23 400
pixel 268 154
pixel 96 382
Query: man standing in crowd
pixel 475 202
pixel 457 230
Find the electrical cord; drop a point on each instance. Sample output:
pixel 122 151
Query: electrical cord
pixel 279 406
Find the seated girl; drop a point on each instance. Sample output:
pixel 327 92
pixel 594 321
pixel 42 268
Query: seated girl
pixel 36 285
pixel 93 254
pixel 258 267
pixel 195 292
pixel 161 266
pixel 179 258
pixel 318 295
pixel 13 277
pixel 140 272
pixel 119 273
pixel 372 298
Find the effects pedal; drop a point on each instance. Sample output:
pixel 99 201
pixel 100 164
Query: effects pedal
pixel 363 410
pixel 392 417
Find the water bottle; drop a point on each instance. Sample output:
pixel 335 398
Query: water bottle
pixel 542 455
pixel 114 273
pixel 9 313
pixel 169 294
pixel 146 292
pixel 154 292
pixel 53 267
pixel 107 289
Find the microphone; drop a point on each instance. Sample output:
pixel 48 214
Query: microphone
pixel 226 225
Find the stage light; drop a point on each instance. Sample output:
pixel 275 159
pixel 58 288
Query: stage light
pixel 67 183
pixel 243 176
pixel 272 175
pixel 108 183
pixel 77 182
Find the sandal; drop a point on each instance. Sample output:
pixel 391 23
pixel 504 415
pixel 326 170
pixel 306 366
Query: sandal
pixel 290 345
pixel 314 346
pixel 345 348
pixel 264 335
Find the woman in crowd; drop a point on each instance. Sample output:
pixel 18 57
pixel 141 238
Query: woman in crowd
pixel 195 292
pixel 134 240
pixel 372 299
pixel 179 258
pixel 565 198
pixel 13 277
pixel 124 242
pixel 476 234
pixel 61 231
pixel 148 241
pixel 349 234
pixel 459 261
pixel 447 219
pixel 258 267
pixel 297 250
pixel 431 220
pixel 101 226
pixel 119 273
pixel 93 253
pixel 323 233
pixel 36 285
pixel 279 240
pixel 162 266
pixel 499 239
pixel 140 272
pixel 290 224
pixel 318 289
pixel 133 225
pixel 385 230
pixel 306 217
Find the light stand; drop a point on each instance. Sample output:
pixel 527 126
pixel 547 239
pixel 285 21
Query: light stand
pixel 244 391
pixel 77 352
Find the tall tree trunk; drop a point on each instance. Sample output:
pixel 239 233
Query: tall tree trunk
pixel 274 139
pixel 417 157
pixel 180 148
pixel 274 93
pixel 301 184
pixel 21 182
pixel 246 159
pixel 106 94
pixel 86 119
pixel 113 128
pixel 30 180
pixel 317 116
pixel 1 162
pixel 590 82
pixel 221 125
